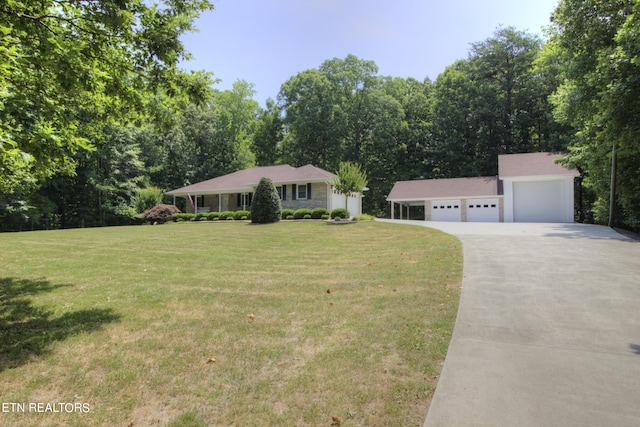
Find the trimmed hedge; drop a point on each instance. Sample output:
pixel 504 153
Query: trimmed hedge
pixel 340 212
pixel 213 216
pixel 286 213
pixel 240 215
pixel 225 215
pixel 180 217
pixel 318 213
pixel 300 213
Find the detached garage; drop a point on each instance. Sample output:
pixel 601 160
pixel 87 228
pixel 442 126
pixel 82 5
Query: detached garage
pixel 536 189
pixel 455 199
pixel 531 187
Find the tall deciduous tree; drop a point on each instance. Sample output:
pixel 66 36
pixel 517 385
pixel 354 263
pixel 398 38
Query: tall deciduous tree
pixel 68 64
pixel 597 42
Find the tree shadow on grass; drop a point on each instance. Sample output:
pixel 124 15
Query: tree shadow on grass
pixel 27 331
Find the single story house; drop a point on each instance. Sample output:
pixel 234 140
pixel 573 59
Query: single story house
pixel 304 187
pixel 530 187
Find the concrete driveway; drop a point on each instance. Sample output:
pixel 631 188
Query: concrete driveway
pixel 548 329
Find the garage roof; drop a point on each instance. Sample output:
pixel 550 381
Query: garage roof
pixel 484 186
pixel 532 164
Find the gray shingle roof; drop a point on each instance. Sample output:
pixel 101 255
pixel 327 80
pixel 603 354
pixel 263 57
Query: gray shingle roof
pixel 531 164
pixel 444 188
pixel 245 180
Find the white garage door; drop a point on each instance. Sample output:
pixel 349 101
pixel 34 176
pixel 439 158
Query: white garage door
pixel 483 210
pixel 538 201
pixel 446 210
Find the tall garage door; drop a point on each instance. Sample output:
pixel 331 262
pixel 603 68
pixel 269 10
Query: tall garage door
pixel 538 201
pixel 446 210
pixel 483 210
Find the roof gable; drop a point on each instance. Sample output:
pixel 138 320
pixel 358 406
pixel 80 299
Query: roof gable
pixel 532 164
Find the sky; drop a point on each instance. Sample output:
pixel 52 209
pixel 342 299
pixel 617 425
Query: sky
pixel 265 42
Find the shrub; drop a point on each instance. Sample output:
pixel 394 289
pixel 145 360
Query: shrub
pixel 241 215
pixel 266 205
pixel 364 217
pixel 201 216
pixel 340 212
pixel 307 217
pixel 230 218
pixel 160 214
pixel 317 213
pixel 300 213
pixel 225 215
pixel 147 198
pixel 212 216
pixel 286 213
pixel 180 217
pixel 325 216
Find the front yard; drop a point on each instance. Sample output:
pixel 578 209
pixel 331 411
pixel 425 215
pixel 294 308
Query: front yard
pixel 226 323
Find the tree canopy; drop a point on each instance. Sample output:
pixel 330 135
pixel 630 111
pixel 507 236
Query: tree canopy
pixel 69 66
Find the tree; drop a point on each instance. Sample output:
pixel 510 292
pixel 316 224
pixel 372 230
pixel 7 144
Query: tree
pixel 62 71
pixel 596 43
pixel 350 179
pixel 268 135
pixel 313 118
pixel 266 206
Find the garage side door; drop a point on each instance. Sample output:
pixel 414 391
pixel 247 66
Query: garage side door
pixel 446 210
pixel 538 201
pixel 483 210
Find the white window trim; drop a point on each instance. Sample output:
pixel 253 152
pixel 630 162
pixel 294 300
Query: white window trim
pixel 298 186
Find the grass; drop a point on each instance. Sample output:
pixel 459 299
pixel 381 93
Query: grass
pixel 227 323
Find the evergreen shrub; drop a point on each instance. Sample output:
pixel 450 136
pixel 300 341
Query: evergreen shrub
pixel 241 214
pixel 340 212
pixel 286 213
pixel 266 205
pixel 300 213
pixel 318 213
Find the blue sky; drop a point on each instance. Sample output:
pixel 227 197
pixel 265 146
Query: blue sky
pixel 265 42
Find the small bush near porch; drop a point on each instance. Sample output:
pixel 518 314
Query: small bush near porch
pixel 282 324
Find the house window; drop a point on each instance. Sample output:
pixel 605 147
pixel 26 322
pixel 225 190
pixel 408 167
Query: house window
pixel 302 191
pixel 200 201
pixel 280 192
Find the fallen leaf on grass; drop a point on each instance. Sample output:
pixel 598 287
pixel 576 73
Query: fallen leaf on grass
pixel 328 291
pixel 251 316
pixel 336 420
pixel 211 360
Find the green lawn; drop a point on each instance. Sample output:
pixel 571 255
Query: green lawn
pixel 227 323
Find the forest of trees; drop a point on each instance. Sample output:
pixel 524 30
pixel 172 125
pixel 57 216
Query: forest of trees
pixel 77 146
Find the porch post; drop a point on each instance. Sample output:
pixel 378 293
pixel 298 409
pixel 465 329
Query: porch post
pixel 400 210
pixel 196 205
pixel 408 210
pixel 392 210
pixel 219 202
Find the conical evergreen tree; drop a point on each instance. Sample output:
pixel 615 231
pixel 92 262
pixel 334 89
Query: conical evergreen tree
pixel 266 206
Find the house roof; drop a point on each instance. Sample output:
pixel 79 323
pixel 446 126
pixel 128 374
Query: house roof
pixel 531 164
pixel 484 186
pixel 245 180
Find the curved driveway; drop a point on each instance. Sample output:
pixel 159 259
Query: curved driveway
pixel 548 329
